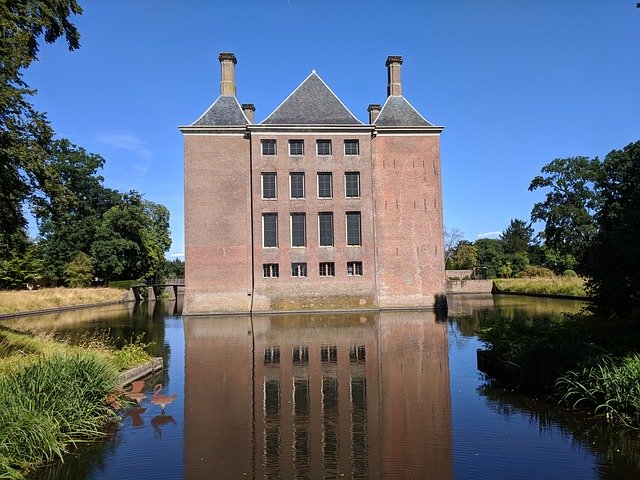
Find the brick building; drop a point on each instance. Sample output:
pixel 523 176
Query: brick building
pixel 311 209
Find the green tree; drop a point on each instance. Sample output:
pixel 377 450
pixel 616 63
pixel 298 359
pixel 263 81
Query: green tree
pixel 25 134
pixel 79 271
pixel 72 206
pixel 464 257
pixel 517 237
pixel 491 257
pixel 21 269
pixel 569 205
pixel 613 258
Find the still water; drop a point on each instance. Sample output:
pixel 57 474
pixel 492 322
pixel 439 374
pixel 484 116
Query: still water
pixel 368 395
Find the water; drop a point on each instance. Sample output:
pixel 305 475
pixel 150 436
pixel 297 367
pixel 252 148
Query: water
pixel 370 395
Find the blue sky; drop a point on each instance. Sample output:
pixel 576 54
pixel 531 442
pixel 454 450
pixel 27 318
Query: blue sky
pixel 515 83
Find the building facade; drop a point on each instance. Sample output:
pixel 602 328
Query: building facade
pixel 311 209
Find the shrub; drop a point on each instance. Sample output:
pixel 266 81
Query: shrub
pixel 79 271
pixel 569 273
pixel 124 284
pixel 536 271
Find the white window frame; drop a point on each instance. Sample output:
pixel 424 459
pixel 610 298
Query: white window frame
pixel 263 216
pixel 354 270
pixel 322 140
pixel 264 142
pixel 318 185
pixel 291 229
pixel 296 154
pixel 262 175
pixel 345 185
pixel 304 190
pixel 351 141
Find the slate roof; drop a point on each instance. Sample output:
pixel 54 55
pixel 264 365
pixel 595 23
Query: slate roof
pixel 398 112
pixel 312 103
pixel 225 111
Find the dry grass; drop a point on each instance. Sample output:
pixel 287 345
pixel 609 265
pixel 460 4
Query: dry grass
pixel 568 286
pixel 29 300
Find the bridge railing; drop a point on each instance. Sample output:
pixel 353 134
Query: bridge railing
pixel 166 281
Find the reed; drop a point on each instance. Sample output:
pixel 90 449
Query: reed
pixel 555 286
pixel 30 300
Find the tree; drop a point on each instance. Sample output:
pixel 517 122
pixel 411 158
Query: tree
pixel 464 257
pixel 517 237
pixel 569 205
pixel 491 257
pixel 79 272
pixel 21 269
pixel 452 237
pixel 25 134
pixel 613 258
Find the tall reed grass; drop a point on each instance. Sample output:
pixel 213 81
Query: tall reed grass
pixel 49 404
pixel 561 286
pixel 30 300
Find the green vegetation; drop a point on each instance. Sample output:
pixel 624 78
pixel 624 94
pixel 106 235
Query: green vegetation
pixel 553 286
pixel 54 396
pixel 29 300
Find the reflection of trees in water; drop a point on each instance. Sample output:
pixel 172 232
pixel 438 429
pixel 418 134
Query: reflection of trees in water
pixel 616 449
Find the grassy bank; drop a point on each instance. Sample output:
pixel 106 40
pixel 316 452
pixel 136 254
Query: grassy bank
pixel 582 361
pixel 560 286
pixel 30 300
pixel 53 396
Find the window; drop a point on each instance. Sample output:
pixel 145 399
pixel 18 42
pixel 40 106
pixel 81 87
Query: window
pixel 325 228
pixel 329 354
pixel 354 269
pixel 268 147
pixel 323 147
pixel 327 269
pixel 357 354
pixel 296 147
pixel 298 269
pixel 271 355
pixel 296 184
pixel 298 230
pixel 325 185
pixel 270 270
pixel 269 229
pixel 351 147
pixel 269 186
pixel 353 229
pixel 300 354
pixel 352 184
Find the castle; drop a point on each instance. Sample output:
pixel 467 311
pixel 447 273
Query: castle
pixel 311 209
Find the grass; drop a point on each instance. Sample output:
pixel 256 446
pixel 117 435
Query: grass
pixel 53 396
pixel 561 286
pixel 30 300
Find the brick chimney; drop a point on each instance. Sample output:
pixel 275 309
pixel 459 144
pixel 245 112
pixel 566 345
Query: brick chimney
pixel 249 109
pixel 228 78
pixel 374 111
pixel 394 64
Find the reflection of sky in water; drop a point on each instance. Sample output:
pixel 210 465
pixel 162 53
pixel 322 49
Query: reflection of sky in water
pixel 365 396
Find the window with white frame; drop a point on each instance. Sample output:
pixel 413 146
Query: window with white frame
pixel 352 184
pixel 354 231
pixel 296 147
pixel 299 269
pixel 323 147
pixel 351 147
pixel 269 186
pixel 325 228
pixel 296 184
pixel 270 270
pixel 269 229
pixel 325 185
pixel 298 229
pixel 268 147
pixel 327 269
pixel 354 269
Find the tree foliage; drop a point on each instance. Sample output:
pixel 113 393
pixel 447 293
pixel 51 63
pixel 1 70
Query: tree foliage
pixel 517 237
pixel 79 271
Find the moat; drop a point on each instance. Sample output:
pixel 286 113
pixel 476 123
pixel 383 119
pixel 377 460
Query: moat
pixel 365 395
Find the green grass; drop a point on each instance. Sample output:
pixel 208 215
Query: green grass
pixel 560 286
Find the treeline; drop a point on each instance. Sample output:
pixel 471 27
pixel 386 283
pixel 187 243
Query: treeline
pixel 591 216
pixel 87 232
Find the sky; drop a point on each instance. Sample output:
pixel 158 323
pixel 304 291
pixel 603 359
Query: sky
pixel 516 84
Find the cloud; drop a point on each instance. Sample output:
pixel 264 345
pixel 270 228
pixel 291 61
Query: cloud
pixel 177 255
pixel 489 235
pixel 131 142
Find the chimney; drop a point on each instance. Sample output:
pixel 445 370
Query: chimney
pixel 248 109
pixel 394 63
pixel 228 64
pixel 374 111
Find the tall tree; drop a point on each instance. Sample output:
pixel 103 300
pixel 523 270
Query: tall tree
pixel 613 258
pixel 25 134
pixel 569 205
pixel 517 237
pixel 452 238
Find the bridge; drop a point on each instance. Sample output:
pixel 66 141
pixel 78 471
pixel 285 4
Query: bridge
pixel 155 288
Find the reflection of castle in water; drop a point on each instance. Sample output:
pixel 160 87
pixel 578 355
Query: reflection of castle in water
pixel 317 396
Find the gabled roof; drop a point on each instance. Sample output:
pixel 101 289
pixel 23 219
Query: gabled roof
pixel 225 111
pixel 398 112
pixel 312 103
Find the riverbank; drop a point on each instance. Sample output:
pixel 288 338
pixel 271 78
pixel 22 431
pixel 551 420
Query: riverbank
pixel 562 287
pixel 582 361
pixel 54 395
pixel 19 301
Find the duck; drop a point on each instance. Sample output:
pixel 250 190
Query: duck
pixel 163 400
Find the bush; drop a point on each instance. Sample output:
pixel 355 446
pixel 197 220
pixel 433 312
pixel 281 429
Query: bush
pixel 79 271
pixel 124 284
pixel 536 271
pixel 569 273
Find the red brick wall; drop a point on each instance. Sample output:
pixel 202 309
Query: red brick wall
pixel 408 210
pixel 217 234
